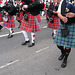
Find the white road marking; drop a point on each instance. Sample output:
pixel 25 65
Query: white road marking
pixel 9 64
pixel 44 27
pixel 18 32
pixel 8 34
pixel 42 49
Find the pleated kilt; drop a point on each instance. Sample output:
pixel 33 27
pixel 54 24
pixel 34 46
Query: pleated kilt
pixel 39 18
pixel 20 17
pixel 54 25
pixel 68 41
pixel 10 23
pixel 0 18
pixel 32 25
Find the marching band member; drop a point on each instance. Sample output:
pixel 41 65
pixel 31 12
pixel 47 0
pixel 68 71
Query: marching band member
pixel 65 39
pixel 30 21
pixel 9 21
pixel 19 15
pixel 54 20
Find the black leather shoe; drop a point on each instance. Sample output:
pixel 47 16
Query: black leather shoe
pixel 10 36
pixel 24 43
pixel 52 34
pixel 61 57
pixel 31 44
pixel 64 64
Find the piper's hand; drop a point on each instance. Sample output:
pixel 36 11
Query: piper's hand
pixel 64 19
pixel 24 7
pixel 6 13
pixel 55 12
pixel 70 15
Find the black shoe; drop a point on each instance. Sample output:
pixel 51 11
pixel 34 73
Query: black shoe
pixel 12 31
pixel 31 44
pixel 52 34
pixel 24 43
pixel 61 57
pixel 10 36
pixel 64 64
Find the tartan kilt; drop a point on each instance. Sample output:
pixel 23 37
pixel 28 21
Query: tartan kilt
pixel 20 17
pixel 10 23
pixel 32 25
pixel 68 41
pixel 0 18
pixel 39 18
pixel 54 25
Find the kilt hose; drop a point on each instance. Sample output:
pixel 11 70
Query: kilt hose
pixel 10 23
pixel 32 25
pixel 20 17
pixel 54 25
pixel 0 18
pixel 68 41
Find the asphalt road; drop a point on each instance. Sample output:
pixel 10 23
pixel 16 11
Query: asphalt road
pixel 42 59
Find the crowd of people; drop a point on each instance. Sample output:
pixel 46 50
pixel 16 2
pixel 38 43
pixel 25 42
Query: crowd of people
pixel 60 16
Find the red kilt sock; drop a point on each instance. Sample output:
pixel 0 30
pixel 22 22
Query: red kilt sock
pixel 33 37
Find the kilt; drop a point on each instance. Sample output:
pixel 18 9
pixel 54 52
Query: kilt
pixel 32 25
pixel 20 17
pixel 54 25
pixel 10 23
pixel 39 18
pixel 0 18
pixel 68 41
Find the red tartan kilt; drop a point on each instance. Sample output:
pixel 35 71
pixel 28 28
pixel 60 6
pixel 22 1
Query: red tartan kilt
pixel 20 17
pixel 32 25
pixel 39 18
pixel 54 25
pixel 10 23
pixel 0 18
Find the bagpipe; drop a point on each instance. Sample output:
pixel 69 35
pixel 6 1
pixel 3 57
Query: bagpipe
pixel 50 11
pixel 70 8
pixel 10 8
pixel 33 7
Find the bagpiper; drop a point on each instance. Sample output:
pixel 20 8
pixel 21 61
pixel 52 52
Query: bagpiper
pixel 19 15
pixel 8 18
pixel 53 19
pixel 30 21
pixel 65 39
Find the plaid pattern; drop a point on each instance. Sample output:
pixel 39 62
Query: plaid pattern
pixel 68 41
pixel 39 18
pixel 0 18
pixel 54 25
pixel 20 16
pixel 32 25
pixel 10 23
